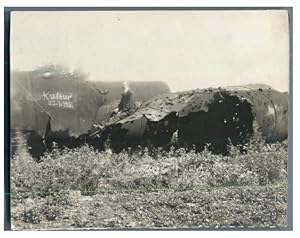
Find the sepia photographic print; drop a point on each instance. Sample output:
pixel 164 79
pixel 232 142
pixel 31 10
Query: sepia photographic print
pixel 161 118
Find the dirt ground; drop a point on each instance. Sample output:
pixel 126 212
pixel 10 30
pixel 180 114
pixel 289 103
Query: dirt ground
pixel 229 207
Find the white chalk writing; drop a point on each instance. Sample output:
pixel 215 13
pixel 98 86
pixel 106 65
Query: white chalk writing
pixel 58 99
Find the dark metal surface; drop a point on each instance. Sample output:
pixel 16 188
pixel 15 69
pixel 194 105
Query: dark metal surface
pixel 69 105
pixel 53 99
pixel 212 115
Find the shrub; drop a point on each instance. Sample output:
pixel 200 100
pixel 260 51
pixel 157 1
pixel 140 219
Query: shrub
pixel 43 191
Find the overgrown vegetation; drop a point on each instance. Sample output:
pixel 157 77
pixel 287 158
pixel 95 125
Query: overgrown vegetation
pixel 84 187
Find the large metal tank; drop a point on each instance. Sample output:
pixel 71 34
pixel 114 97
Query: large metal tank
pixel 212 116
pixel 59 101
pixel 52 104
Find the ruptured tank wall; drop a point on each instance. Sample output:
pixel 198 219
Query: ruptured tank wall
pixel 227 119
pixel 269 108
pixel 214 116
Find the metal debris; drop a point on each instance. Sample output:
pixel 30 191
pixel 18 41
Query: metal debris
pixel 212 116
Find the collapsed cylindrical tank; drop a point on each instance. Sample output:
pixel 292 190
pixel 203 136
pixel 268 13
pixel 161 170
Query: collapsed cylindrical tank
pixel 212 116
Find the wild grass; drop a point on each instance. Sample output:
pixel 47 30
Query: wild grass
pixel 83 187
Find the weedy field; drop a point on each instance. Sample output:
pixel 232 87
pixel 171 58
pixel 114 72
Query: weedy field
pixel 86 188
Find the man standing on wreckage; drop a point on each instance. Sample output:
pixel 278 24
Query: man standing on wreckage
pixel 126 106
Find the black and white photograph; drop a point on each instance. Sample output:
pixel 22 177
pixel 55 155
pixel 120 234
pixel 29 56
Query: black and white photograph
pixel 159 118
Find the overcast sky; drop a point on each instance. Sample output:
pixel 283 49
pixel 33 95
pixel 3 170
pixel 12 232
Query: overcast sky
pixel 186 49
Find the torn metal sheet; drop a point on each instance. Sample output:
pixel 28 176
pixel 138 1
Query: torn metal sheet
pixel 269 107
pixel 181 103
pixel 213 115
